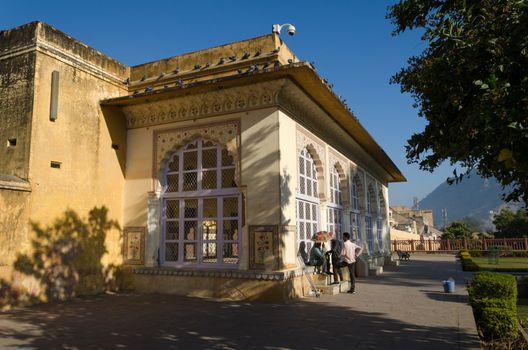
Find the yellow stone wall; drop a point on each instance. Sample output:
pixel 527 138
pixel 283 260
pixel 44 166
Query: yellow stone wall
pixel 81 139
pixel 288 181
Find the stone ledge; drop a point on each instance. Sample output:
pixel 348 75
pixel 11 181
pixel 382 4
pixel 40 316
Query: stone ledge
pixel 252 275
pixel 10 182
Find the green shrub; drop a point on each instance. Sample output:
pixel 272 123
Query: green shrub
pixel 475 253
pixel 493 285
pixel 498 323
pixel 467 263
pixel 520 253
pixel 494 300
pixel 479 304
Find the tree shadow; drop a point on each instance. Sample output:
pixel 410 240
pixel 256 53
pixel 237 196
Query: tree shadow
pixel 175 322
pixel 65 260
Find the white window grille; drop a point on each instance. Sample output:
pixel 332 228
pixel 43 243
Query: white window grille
pixel 335 206
pixel 368 223
pixel 307 203
pixel 355 226
pixel 355 195
pixel 201 208
pixel 370 235
pixel 379 231
pixel 369 203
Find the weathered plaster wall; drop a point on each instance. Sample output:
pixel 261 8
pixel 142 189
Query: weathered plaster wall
pixel 14 225
pixel 288 187
pixel 17 67
pixel 81 139
pixel 16 97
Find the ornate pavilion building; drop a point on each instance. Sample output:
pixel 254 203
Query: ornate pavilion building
pixel 219 165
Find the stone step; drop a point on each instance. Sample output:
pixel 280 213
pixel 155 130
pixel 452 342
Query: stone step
pixel 322 279
pixel 344 286
pixel 332 289
pixel 375 270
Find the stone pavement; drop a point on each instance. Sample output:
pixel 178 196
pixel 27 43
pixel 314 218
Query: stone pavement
pixel 405 308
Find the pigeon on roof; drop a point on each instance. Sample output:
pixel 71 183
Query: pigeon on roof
pixel 222 60
pixel 233 58
pixel 246 55
pixel 126 81
pixel 275 50
pixel 177 70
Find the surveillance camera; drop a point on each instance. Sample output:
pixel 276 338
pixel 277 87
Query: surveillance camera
pixel 276 28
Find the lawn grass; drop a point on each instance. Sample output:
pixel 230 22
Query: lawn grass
pixel 504 263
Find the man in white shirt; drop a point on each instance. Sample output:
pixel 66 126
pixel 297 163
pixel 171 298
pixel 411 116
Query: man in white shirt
pixel 350 252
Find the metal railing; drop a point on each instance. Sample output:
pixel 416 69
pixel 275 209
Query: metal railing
pixel 451 245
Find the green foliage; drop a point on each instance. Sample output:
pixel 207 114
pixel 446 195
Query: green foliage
pixel 498 323
pixel 493 285
pixel 511 224
pixel 475 253
pixel 494 300
pixel 456 230
pixel 467 263
pixel 471 85
pixel 473 224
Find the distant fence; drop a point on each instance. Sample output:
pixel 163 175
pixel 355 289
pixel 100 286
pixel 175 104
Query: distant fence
pixel 450 245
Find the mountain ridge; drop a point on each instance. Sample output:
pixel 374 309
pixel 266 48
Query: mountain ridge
pixel 474 196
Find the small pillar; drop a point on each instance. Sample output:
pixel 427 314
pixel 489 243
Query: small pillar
pixel 153 230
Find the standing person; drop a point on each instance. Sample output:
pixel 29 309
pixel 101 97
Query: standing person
pixel 350 252
pixel 336 246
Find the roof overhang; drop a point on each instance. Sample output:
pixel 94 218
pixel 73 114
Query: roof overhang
pixel 305 77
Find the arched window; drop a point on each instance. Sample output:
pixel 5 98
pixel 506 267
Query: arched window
pixel 201 207
pixel 355 227
pixel 307 202
pixel 368 220
pixel 381 220
pixel 335 206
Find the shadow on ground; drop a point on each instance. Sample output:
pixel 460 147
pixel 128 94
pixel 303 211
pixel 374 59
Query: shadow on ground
pixel 175 322
pixel 425 273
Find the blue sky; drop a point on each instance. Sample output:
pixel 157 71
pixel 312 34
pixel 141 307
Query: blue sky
pixel 349 41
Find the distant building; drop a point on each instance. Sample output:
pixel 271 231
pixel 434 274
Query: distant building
pixel 219 165
pixel 409 223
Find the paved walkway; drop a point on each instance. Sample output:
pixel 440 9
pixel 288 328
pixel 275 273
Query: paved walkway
pixel 404 308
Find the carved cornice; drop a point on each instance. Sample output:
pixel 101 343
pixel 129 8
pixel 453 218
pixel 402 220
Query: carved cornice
pixel 232 100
